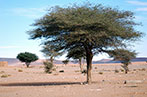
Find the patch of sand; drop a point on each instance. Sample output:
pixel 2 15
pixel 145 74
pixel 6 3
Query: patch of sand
pixel 33 82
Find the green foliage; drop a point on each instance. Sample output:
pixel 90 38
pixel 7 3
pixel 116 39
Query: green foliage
pixel 48 66
pixel 27 58
pixel 65 62
pixel 94 28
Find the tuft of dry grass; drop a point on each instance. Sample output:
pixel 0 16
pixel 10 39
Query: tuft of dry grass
pixel 5 76
pixel 116 71
pixel 101 73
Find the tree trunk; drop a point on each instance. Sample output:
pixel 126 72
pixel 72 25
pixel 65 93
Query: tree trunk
pixel 51 59
pixel 27 64
pixel 89 56
pixel 126 69
pixel 81 65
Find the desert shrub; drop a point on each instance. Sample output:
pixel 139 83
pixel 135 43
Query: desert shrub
pixel 20 70
pixel 5 76
pixel 100 72
pixel 48 66
pixel 121 70
pixel 143 69
pixel 116 71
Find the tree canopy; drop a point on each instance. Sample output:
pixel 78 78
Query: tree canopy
pixel 95 28
pixel 27 57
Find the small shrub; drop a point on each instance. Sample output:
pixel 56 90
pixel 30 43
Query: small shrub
pixel 84 71
pixel 100 72
pixel 121 70
pixel 20 70
pixel 5 76
pixel 143 69
pixel 116 71
pixel 48 66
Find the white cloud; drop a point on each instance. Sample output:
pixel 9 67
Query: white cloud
pixel 29 12
pixel 8 47
pixel 137 3
pixel 141 9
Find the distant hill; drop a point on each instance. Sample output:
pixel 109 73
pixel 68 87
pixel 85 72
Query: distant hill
pixel 139 59
pixel 10 60
pixel 14 61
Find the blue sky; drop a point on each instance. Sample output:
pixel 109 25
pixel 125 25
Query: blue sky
pixel 16 16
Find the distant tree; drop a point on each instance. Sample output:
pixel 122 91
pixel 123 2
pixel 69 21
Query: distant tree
pixel 95 28
pixel 50 51
pixel 77 53
pixel 65 62
pixel 27 58
pixel 124 56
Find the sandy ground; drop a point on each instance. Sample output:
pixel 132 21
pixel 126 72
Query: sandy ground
pixel 19 81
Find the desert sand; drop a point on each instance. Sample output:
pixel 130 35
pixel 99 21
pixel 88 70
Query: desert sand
pixel 19 81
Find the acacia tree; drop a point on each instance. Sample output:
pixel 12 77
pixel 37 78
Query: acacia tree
pixel 124 56
pixel 27 58
pixel 95 28
pixel 50 51
pixel 77 53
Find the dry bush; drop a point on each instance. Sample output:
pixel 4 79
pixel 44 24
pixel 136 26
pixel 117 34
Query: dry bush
pixel 5 76
pixel 100 72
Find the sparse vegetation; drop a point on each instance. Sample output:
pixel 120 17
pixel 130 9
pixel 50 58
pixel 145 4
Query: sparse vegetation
pixel 100 72
pixel 19 70
pixel 116 71
pixel 121 70
pixel 48 66
pixel 5 76
pixel 143 69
